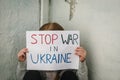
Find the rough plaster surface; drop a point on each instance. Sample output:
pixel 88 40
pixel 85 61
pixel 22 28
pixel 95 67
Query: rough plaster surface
pixel 16 17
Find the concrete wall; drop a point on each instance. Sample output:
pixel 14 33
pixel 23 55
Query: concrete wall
pixel 16 17
pixel 97 20
pixel 99 24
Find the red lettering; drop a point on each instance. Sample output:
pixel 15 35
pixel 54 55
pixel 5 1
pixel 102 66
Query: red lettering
pixel 35 40
pixel 47 39
pixel 54 37
pixel 41 38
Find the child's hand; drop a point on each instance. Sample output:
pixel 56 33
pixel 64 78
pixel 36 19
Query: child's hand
pixel 81 52
pixel 22 54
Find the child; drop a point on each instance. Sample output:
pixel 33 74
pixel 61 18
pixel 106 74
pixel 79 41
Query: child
pixel 23 74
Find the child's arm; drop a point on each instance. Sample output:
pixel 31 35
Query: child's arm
pixel 21 67
pixel 82 72
pixel 21 70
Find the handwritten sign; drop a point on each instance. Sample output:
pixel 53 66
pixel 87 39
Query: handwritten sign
pixel 52 50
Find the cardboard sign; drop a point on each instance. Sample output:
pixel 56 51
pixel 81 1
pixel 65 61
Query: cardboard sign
pixel 52 50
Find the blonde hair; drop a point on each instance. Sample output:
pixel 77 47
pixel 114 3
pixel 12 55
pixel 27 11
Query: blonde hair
pixel 51 26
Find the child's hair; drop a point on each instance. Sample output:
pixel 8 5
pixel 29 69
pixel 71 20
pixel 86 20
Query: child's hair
pixel 51 26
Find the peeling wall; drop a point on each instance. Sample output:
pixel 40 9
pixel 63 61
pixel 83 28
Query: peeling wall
pixel 16 17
